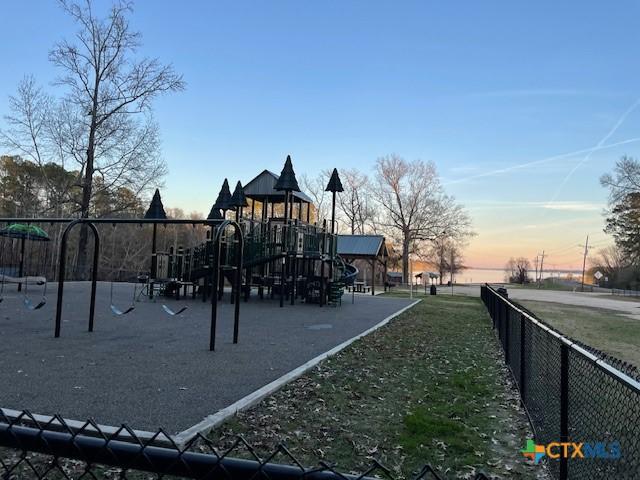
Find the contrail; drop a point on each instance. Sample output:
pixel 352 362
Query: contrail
pixel 586 158
pixel 547 159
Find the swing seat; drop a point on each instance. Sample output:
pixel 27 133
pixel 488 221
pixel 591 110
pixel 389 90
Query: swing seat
pixel 171 312
pixel 116 311
pixel 31 306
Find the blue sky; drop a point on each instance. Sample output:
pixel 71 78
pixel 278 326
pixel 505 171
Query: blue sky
pixel 477 87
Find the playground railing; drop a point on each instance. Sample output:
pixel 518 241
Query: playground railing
pixel 572 393
pixel 31 447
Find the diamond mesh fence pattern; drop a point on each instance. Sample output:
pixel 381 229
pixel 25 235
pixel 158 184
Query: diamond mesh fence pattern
pixel 572 393
pixel 53 449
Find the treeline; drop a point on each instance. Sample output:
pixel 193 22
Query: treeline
pixel 620 263
pixel 49 190
pixel 406 202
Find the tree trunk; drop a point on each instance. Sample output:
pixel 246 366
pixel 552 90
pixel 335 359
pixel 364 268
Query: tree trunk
pixel 82 264
pixel 405 258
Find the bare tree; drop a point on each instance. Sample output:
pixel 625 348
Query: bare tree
pixel 613 262
pixel 517 270
pixel 414 207
pixel 446 255
pixel 354 203
pixel 104 122
pixel 624 180
pixel 315 188
pixel 28 134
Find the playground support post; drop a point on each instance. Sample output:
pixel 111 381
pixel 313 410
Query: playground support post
pixel 285 264
pixel 215 276
pixel 238 278
pixel 21 267
pixel 333 221
pixel 154 259
pixel 61 273
pixel 323 241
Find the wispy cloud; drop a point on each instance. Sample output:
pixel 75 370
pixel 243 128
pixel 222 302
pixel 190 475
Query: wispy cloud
pixel 520 166
pixel 542 92
pixel 574 206
pixel 600 144
pixel 567 206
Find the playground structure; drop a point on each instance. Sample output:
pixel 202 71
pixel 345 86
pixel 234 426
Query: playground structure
pixel 275 250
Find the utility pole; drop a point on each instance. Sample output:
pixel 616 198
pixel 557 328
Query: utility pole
pixel 536 264
pixel 541 267
pixel 584 261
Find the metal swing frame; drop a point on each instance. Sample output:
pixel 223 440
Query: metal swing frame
pixel 216 225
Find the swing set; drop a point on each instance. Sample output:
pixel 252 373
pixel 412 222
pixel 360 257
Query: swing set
pixel 20 257
pixel 148 287
pixel 32 250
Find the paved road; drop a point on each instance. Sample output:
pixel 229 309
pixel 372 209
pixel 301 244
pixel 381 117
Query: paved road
pixel 582 299
pixel 150 370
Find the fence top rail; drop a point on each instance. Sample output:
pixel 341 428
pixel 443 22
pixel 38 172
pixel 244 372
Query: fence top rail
pixel 167 221
pixel 609 369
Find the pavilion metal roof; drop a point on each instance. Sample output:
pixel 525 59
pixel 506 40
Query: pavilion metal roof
pixel 361 245
pixel 263 185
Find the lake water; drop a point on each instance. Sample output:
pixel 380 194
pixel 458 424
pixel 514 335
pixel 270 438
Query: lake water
pixel 495 275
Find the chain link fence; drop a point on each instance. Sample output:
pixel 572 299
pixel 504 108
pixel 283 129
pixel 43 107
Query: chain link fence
pixel 57 449
pixel 572 393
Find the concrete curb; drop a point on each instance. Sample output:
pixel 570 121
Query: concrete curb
pixel 212 421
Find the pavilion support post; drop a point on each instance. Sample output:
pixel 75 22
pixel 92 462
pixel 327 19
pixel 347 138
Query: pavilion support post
pixel 373 276
pixel 386 272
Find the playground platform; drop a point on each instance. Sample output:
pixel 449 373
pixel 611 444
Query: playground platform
pixel 149 369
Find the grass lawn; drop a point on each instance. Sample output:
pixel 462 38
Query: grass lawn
pixel 429 387
pixel 608 330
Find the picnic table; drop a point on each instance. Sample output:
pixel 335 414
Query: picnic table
pixel 361 287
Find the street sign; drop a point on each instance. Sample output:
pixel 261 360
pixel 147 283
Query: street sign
pixel 598 275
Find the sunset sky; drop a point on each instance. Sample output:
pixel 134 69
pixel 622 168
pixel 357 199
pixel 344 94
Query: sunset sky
pixel 521 107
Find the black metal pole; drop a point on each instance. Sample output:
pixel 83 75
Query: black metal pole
pixel 333 221
pixel 21 267
pixel 239 255
pixel 322 249
pixel 294 275
pixel 564 406
pixel 523 371
pixel 154 259
pixel 94 275
pixel 215 275
pixel 284 248
pixel 507 317
pixel 61 273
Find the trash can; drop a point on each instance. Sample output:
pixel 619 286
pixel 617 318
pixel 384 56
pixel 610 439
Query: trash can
pixel 433 290
pixel 502 291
